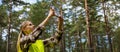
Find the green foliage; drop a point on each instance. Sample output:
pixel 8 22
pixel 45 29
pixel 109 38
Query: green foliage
pixel 116 38
pixel 3 16
pixel 38 12
pixel 74 23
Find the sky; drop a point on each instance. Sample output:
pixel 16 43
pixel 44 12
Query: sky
pixel 30 1
pixel 27 1
pixel 0 2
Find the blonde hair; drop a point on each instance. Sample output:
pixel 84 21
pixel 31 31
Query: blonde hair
pixel 23 25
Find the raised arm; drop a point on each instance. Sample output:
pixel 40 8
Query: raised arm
pixel 51 13
pixel 37 31
pixel 58 35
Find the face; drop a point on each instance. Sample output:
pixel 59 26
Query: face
pixel 29 27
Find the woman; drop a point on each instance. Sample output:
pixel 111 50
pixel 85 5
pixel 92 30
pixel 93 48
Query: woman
pixel 28 38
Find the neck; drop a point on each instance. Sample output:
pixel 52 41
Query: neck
pixel 27 33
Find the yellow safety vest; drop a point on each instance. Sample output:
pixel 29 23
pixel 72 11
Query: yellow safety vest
pixel 38 46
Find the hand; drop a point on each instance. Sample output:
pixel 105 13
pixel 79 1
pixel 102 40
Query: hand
pixel 51 12
pixel 60 18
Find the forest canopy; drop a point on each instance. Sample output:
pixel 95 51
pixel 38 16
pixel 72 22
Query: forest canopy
pixel 88 26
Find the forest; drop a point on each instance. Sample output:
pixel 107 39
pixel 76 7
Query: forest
pixel 89 25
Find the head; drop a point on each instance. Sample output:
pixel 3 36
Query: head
pixel 27 27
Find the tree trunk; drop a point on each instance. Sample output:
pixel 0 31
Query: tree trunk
pixel 81 48
pixel 62 43
pixel 88 28
pixel 76 44
pixel 9 26
pixel 106 26
pixel 69 43
pixel 54 48
pixel 1 41
pixel 62 47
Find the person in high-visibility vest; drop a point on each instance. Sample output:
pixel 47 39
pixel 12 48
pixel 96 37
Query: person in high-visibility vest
pixel 28 38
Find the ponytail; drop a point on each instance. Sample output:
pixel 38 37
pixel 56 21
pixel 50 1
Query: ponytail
pixel 18 42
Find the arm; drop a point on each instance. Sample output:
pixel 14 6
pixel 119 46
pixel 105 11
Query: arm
pixel 25 40
pixel 37 31
pixel 58 35
pixel 51 13
pixel 32 36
